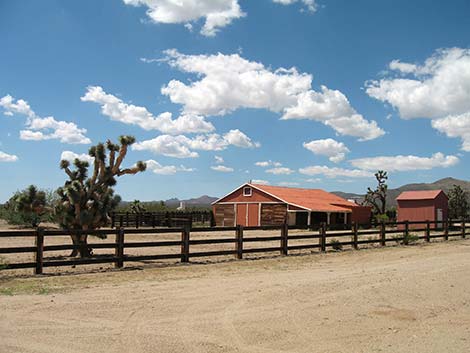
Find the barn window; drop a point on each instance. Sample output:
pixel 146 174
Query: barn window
pixel 247 191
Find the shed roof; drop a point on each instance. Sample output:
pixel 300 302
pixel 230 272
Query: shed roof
pixel 419 195
pixel 308 199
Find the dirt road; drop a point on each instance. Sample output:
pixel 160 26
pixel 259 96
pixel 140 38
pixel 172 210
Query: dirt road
pixel 402 299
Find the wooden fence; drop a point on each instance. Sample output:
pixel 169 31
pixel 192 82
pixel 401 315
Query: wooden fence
pixel 386 233
pixel 172 219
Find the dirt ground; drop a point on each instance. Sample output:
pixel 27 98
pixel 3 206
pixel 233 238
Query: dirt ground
pixel 400 299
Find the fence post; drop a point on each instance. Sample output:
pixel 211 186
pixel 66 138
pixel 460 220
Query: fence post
pixel 119 251
pixel 239 243
pixel 354 229
pixel 153 220
pixel 185 244
pixel 121 221
pixel 428 231
pixel 113 219
pixel 137 220
pixel 463 229
pixel 127 219
pixel 39 250
pixel 382 234
pixel 406 234
pixel 323 237
pixel 446 229
pixel 284 239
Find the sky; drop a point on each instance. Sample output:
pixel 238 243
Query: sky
pixel 300 93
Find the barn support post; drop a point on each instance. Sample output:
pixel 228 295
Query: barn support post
pixel 239 242
pixel 185 234
pixel 284 239
pixel 382 234
pixel 39 251
pixel 446 229
pixel 119 250
pixel 428 231
pixel 354 231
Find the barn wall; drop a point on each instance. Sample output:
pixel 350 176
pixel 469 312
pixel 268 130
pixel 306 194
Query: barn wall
pixel 253 214
pixel 224 215
pixel 360 215
pixel 272 214
pixel 415 210
pixel 442 202
pixel 256 196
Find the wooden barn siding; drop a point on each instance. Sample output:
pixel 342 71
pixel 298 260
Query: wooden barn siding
pixel 256 196
pixel 360 215
pixel 273 214
pixel 416 210
pixel 224 215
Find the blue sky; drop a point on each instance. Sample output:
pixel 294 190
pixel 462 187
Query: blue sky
pixel 316 94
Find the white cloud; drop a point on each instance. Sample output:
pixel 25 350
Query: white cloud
pixel 269 163
pixel 71 156
pixel 20 107
pixel 288 183
pixel 182 147
pixel 117 110
pixel 310 5
pixel 157 168
pixel 222 168
pixel 335 172
pixel 280 171
pixel 439 87
pixel 219 160
pixel 313 180
pixel 229 82
pixel 43 128
pixel 405 163
pixel 334 150
pixel 5 157
pixel 260 182
pixel 455 126
pixel 217 13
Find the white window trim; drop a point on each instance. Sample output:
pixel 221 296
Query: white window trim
pixel 249 188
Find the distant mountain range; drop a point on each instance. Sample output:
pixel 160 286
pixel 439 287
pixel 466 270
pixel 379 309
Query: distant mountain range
pixel 443 184
pixel 203 201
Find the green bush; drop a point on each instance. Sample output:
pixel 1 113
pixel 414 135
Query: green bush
pixel 336 244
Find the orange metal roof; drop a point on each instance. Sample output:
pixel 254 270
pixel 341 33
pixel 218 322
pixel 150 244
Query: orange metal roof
pixel 311 199
pixel 419 195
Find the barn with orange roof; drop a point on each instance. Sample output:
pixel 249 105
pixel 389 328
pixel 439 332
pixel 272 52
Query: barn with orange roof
pixel 260 205
pixel 426 205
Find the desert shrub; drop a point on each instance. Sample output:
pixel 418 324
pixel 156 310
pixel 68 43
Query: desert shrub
pixel 336 244
pixel 410 238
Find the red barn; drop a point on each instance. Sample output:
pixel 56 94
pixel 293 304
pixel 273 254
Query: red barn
pixel 259 205
pixel 426 205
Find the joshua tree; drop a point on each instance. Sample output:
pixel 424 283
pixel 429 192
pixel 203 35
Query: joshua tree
pixel 137 207
pixel 85 202
pixel 458 202
pixel 30 204
pixel 378 198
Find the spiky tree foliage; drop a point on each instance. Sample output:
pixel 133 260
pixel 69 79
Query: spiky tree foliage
pixel 377 198
pixel 29 204
pixel 86 201
pixel 137 207
pixel 458 203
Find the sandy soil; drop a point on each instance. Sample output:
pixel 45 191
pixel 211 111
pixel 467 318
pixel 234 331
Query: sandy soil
pixel 401 299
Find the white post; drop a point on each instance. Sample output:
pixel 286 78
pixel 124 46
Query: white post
pixel 309 218
pixel 328 215
pixel 345 218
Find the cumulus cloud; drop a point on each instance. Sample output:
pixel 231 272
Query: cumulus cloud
pixel 310 5
pixel 157 168
pixel 335 172
pixel 334 150
pixel 219 160
pixel 71 156
pixel 269 163
pixel 117 110
pixel 280 171
pixel 288 183
pixel 217 13
pixel 455 126
pixel 405 163
pixel 181 146
pixel 260 182
pixel 222 168
pixel 43 128
pixel 5 157
pixel 229 82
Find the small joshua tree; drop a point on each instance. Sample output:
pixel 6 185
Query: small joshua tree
pixel 29 204
pixel 85 202
pixel 378 198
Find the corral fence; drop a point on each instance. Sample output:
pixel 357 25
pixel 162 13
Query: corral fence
pixel 170 219
pixel 284 240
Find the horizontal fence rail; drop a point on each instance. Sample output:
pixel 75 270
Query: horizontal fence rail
pixel 175 219
pixel 282 241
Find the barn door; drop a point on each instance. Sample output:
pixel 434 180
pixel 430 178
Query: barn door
pixel 242 214
pixel 439 218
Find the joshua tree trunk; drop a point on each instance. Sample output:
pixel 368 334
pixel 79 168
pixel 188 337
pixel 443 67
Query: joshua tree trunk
pixel 81 241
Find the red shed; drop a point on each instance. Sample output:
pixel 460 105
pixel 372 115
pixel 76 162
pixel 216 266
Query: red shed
pixel 429 205
pixel 259 205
